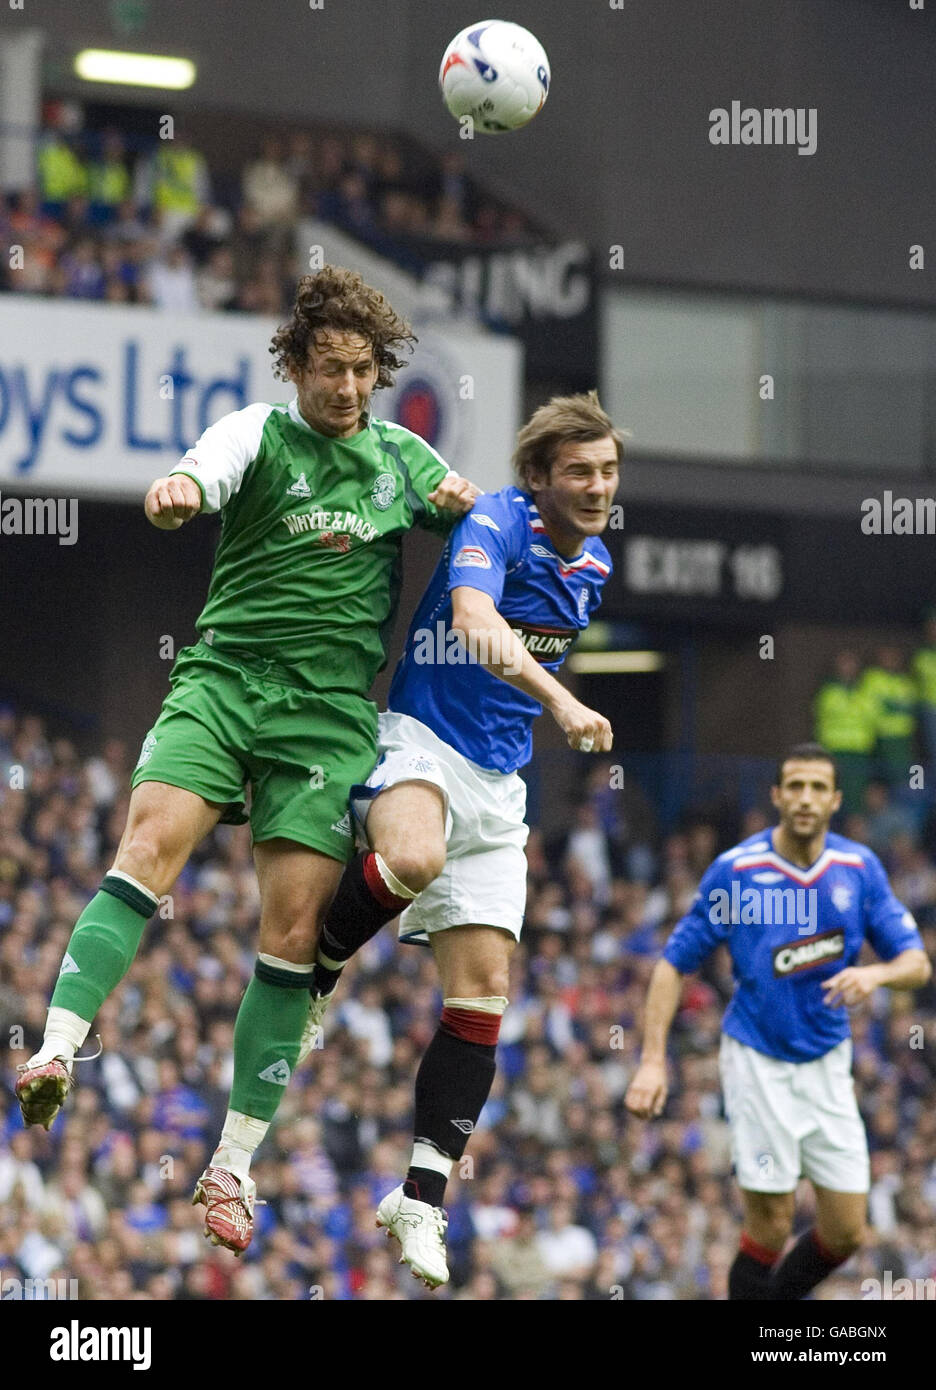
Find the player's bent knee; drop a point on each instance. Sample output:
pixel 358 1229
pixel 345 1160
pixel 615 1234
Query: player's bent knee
pixel 416 867
pixel 145 858
pixel 291 940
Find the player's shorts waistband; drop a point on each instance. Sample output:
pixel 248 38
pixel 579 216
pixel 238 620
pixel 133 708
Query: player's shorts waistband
pixel 263 667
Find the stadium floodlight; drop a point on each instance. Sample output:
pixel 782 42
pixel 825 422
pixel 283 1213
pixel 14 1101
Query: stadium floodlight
pixel 615 663
pixel 135 69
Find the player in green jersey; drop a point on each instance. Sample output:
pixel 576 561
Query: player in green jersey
pixel 315 498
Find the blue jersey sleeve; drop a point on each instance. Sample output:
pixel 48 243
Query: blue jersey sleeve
pixel 705 925
pixel 484 546
pixel 889 926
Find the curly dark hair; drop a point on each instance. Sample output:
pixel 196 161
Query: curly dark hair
pixel 335 298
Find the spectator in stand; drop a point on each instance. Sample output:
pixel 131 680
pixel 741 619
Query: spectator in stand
pixel 108 179
pixel 83 276
pixel 365 162
pixel 175 183
pixel 272 191
pixel 250 242
pixel 846 722
pixel 894 696
pixel 301 168
pixel 215 283
pixel 62 173
pixel 207 233
pixel 41 239
pixel 331 159
pixel 128 227
pixel 567 1250
pixel 107 774
pixel 121 275
pixel 453 186
pixel 264 293
pixel 884 818
pixel 448 223
pixel 170 282
pixel 349 205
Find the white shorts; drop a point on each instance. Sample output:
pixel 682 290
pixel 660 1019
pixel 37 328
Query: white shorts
pixel 484 879
pixel 793 1119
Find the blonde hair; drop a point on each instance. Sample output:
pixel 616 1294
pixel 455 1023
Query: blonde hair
pixel 559 421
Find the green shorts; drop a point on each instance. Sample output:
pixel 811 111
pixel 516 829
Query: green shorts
pixel 232 721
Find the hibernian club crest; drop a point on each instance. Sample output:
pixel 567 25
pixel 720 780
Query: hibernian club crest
pixel 383 491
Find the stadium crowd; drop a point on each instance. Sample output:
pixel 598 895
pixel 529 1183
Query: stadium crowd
pixel 561 1194
pixel 152 225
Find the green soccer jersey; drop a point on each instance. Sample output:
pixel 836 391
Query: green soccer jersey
pixel 307 570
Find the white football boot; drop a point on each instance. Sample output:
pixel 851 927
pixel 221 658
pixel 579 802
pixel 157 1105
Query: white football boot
pixel 420 1229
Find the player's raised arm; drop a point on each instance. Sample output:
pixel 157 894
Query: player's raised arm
pixel 211 472
pixel 172 501
pixel 491 641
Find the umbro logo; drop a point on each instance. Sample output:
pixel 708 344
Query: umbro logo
pixel 466 1126
pixel 541 551
pixel 277 1072
pixel 342 826
pixel 300 488
pixel 70 966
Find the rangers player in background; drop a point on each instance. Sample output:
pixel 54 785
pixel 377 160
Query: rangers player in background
pixel 794 906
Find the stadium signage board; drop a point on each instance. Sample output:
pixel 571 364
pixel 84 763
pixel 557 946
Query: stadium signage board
pixel 99 399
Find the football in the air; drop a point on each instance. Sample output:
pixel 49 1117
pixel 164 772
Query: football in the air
pixel 497 73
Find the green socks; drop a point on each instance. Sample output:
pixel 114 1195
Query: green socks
pixel 103 944
pixel 267 1035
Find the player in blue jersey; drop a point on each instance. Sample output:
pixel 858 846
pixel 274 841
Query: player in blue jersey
pixel 443 810
pixel 794 906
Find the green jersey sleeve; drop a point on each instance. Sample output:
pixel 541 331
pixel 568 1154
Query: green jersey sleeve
pixel 219 459
pixel 423 471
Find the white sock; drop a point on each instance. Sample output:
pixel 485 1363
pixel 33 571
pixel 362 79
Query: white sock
pixel 64 1034
pixel 241 1135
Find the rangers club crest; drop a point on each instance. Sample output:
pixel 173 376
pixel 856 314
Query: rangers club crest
pixel 384 491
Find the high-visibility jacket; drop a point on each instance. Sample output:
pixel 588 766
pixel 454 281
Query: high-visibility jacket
pixel 61 173
pixel 895 698
pixel 924 670
pixel 846 718
pixel 177 178
pixel 108 183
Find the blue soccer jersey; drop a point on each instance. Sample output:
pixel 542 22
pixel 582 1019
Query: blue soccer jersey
pixel 787 930
pixel 500 547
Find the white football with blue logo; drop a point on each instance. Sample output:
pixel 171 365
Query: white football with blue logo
pixel 497 73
